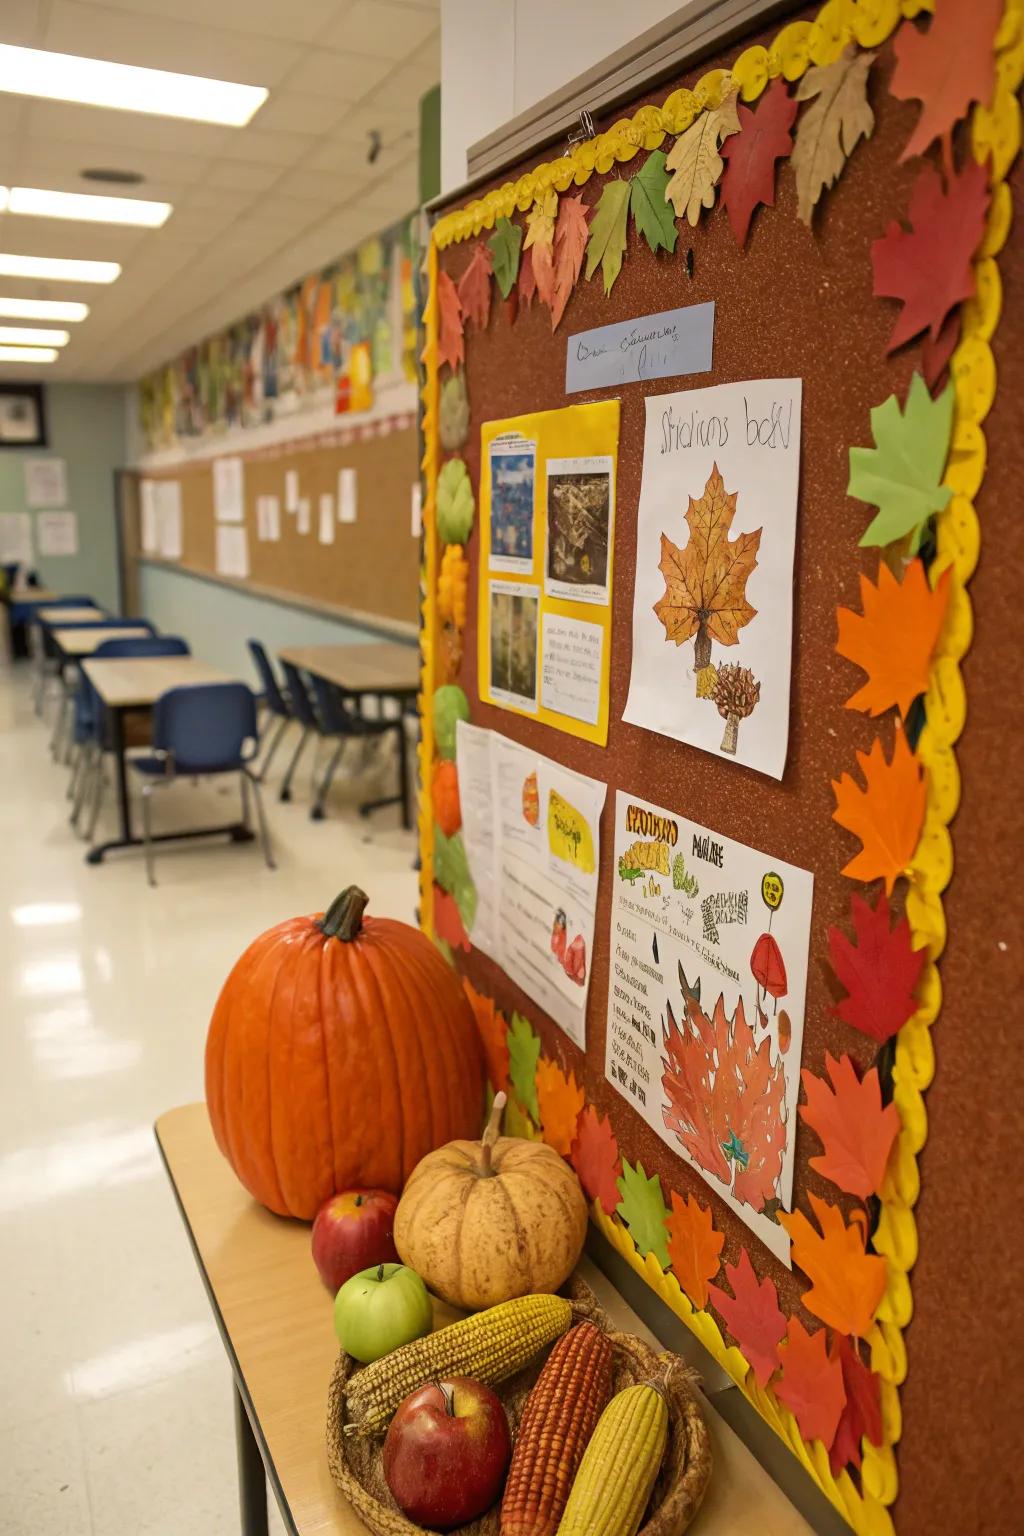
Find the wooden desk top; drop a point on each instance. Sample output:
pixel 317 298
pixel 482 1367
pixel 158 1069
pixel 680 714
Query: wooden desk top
pixel 382 667
pixel 131 682
pixel 84 615
pixel 32 595
pixel 276 1319
pixel 82 642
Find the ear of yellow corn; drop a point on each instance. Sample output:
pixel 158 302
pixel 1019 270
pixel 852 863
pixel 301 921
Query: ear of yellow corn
pixel 558 1420
pixel 489 1346
pixel 619 1467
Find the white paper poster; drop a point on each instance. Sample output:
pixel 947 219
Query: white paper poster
pixel 571 668
pixel 326 509
pixel 268 518
pixel 149 521
pixel 303 515
pixel 530 828
pixel 347 495
pixel 291 490
pixel 708 945
pixel 168 508
pixel 416 509
pixel 46 483
pixel 713 600
pixel 15 538
pixel 229 490
pixel 232 553
pixel 57 533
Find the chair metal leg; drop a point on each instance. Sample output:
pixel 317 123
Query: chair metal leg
pixel 275 742
pixel 317 813
pixel 75 759
pixel 84 786
pixel 97 800
pixel 286 787
pixel 261 817
pixel 244 782
pixel 147 832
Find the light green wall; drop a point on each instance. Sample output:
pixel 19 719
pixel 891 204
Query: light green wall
pixel 86 429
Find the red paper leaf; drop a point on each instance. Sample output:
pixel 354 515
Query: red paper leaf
pixel 811 1385
pixel 880 971
pixel 855 1131
pixel 448 920
pixel 862 1412
pixel 929 266
pixel 475 286
pixel 570 244
pixel 595 1156
pixel 935 355
pixel 752 1315
pixel 527 283
pixel 450 347
pixel 946 66
pixel 750 156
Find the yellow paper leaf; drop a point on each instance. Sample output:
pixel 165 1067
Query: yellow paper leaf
pixel 696 161
pixel 829 130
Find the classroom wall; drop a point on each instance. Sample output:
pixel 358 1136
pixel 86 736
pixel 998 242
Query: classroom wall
pixel 86 429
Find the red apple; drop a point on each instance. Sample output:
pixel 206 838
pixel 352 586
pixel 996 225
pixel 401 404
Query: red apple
pixel 352 1231
pixel 446 1452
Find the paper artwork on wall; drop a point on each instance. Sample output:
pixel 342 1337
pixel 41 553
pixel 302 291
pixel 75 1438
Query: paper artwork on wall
pixel 291 490
pixel 15 538
pixel 348 486
pixel 57 533
pixel 303 515
pixel 168 519
pixel 229 490
pixel 268 519
pixel 149 520
pixel 46 483
pixel 232 551
pixel 326 517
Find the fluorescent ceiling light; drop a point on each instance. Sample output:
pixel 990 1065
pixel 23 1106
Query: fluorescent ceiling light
pixel 98 83
pixel 80 205
pixel 29 336
pixel 42 309
pixel 58 268
pixel 28 354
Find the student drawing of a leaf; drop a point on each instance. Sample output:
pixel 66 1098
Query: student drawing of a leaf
pixel 830 129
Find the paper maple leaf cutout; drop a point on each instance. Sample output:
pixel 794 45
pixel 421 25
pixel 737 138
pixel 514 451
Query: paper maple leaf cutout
pixel 560 1100
pixel 571 231
pixel 857 1134
pixel 847 1283
pixel 595 1157
pixel 475 286
pixel 751 154
pixel 527 284
pixel 643 1210
pixel 523 1055
pixel 929 265
pixel 861 1417
pixel 606 243
pixel 694 1247
pixel 901 475
pixel 504 247
pixel 752 1315
pixel 450 345
pixel 539 242
pixel 651 213
pixel 493 1034
pixel 448 920
pixel 887 814
pixel 894 639
pixel 705 581
pixel 830 129
pixel 936 354
pixel 946 67
pixel 811 1385
pixel 696 161
pixel 879 972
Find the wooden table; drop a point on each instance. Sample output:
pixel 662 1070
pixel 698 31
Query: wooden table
pixel 274 1317
pixel 76 643
pixel 31 595
pixel 85 615
pixel 136 682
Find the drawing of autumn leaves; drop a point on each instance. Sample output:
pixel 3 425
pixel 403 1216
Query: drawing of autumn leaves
pixel 705 601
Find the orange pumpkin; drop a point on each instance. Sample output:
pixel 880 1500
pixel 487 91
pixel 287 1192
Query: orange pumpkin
pixel 341 1051
pixel 444 794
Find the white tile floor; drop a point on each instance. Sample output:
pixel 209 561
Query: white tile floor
pixel 115 1401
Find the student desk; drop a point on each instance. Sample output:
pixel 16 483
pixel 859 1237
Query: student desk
pixel 84 615
pixel 274 1318
pixel 73 644
pixel 136 682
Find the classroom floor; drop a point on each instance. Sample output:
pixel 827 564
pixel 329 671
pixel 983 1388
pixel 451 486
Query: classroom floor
pixel 115 1395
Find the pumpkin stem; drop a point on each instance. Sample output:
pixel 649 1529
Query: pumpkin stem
pixel 490 1135
pixel 344 917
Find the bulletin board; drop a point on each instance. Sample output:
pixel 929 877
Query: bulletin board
pixel 887 1330
pixel 371 569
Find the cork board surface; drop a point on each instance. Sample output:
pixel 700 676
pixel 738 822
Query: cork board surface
pixel 797 303
pixel 373 564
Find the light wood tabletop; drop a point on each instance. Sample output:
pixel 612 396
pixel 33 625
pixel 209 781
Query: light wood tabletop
pixel 32 595
pixel 383 666
pixel 82 642
pixel 84 615
pixel 132 682
pixel 275 1318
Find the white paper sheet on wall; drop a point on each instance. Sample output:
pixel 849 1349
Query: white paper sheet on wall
pixel 347 495
pixel 149 522
pixel 416 509
pixel 291 490
pixel 303 515
pixel 15 538
pixel 232 551
pixel 326 518
pixel 168 502
pixel 57 533
pixel 46 482
pixel 229 490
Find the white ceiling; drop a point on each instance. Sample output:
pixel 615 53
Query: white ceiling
pixel 254 208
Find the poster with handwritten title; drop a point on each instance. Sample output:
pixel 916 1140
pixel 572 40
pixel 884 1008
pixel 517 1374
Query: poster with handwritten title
pixel 713 599
pixel 709 944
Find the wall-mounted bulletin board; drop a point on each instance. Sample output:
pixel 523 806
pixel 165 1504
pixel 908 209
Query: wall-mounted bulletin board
pixel 722 442
pixel 332 520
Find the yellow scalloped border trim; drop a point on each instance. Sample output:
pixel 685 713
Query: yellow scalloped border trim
pixel 995 134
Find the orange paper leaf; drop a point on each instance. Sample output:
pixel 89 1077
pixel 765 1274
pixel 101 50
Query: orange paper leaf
pixel 570 243
pixel 475 286
pixel 894 638
pixel 450 345
pixel 887 815
pixel 946 66
pixel 493 1035
pixel 752 1315
pixel 847 1284
pixel 694 1247
pixel 811 1385
pixel 561 1102
pixel 855 1131
pixel 595 1157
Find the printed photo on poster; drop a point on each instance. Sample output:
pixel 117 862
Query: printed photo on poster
pixel 709 942
pixel 512 463
pixel 580 508
pixel 513 617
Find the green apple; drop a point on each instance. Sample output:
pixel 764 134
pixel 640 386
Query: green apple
pixel 380 1309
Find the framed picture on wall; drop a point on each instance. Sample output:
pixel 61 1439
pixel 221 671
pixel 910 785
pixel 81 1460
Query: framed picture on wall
pixel 22 416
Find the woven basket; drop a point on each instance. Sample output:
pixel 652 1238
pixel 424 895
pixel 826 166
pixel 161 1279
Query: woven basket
pixel 356 1462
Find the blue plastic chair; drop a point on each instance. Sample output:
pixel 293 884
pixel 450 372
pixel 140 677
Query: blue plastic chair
pixel 205 729
pixel 339 719
pixel 63 738
pixel 300 706
pixel 274 698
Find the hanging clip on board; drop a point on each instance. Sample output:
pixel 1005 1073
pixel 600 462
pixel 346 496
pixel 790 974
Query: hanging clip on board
pixel 586 131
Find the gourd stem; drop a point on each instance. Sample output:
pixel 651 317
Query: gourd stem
pixel 490 1135
pixel 344 917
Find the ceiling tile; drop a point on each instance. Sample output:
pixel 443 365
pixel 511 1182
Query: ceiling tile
pixel 233 175
pixel 412 79
pixel 334 74
pixel 270 149
pixel 66 158
pixel 22 23
pixel 301 112
pixel 329 188
pixel 380 29
pixel 269 18
pixel 63 237
pixel 69 123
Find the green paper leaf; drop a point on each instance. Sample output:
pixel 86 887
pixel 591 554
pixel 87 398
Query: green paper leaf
pixel 652 214
pixel 452 873
pixel 504 245
pixel 607 240
pixel 450 705
pixel 456 506
pixel 644 1211
pixel 902 474
pixel 523 1055
pixel 453 414
pixel 517 1121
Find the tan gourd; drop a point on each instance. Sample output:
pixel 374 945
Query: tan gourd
pixel 485 1221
